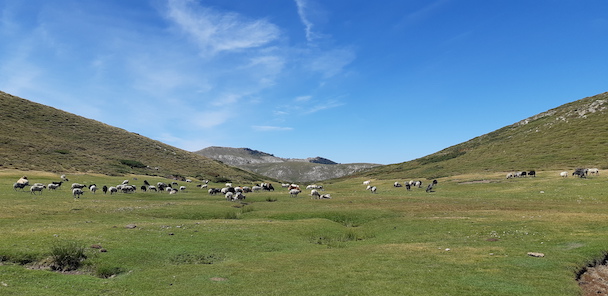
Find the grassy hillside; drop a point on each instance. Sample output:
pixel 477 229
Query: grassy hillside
pixel 570 136
pixel 38 137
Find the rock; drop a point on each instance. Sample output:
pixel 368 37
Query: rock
pixel 131 226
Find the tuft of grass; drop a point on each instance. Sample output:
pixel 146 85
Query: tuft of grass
pixel 67 255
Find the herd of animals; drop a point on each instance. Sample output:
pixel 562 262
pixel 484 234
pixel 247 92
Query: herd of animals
pixel 235 193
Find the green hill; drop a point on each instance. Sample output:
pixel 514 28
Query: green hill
pixel 570 136
pixel 38 137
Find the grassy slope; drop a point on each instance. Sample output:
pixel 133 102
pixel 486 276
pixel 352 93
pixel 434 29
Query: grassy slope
pixel 467 238
pixel 38 137
pixel 566 137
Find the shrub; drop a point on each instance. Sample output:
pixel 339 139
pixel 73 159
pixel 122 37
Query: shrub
pixel 132 163
pixel 68 255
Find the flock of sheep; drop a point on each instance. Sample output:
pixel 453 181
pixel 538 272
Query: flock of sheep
pixel 238 192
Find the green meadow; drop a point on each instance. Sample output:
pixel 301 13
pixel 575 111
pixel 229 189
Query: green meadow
pixel 471 236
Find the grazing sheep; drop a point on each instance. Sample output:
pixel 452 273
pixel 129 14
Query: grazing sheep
pixel 239 196
pixel 24 180
pixel 36 188
pixel 113 190
pixel 408 186
pixel 78 185
pixel 53 186
pixel 325 196
pixel 397 184
pixel 563 174
pixel 125 182
pixel 172 190
pixel 532 173
pixel 214 191
pixel 371 188
pixel 294 192
pixel 93 188
pixel 64 178
pixel 593 171
pixel 152 188
pixel 510 175
pixel 256 188
pixel 143 188
pixel 229 196
pixel 367 182
pixel 182 188
pixel 418 184
pixel 582 173
pixel 77 192
pixel 315 194
pixel 19 186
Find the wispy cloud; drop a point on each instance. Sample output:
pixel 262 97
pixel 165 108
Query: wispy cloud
pixel 268 128
pixel 215 31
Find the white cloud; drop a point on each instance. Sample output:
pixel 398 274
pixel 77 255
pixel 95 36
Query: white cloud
pixel 303 98
pixel 216 31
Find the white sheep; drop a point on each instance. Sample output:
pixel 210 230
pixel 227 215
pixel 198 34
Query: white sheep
pixel 563 174
pixel 367 182
pixel 36 188
pixel 113 190
pixel 371 188
pixel 53 186
pixel 182 188
pixel 77 192
pixel 294 192
pixel 315 194
pixel 594 171
pixel 93 188
pixel 229 196
pixel 325 196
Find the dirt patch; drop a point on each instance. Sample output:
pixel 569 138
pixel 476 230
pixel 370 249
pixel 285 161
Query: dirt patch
pixel 594 281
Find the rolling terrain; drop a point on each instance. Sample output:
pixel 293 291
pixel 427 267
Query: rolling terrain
pixel 289 169
pixel 564 138
pixel 38 137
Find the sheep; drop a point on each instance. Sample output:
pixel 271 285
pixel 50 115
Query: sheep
pixel 239 196
pixel 247 189
pixel 325 196
pixel 418 184
pixel 113 190
pixel 582 173
pixel 104 189
pixel 172 190
pixel 24 180
pixel 93 188
pixel 532 173
pixel 367 182
pixel 229 196
pixel 294 192
pixel 77 185
pixel 315 194
pixel 214 191
pixel 182 188
pixel 510 175
pixel 77 192
pixel 267 186
pixel 19 186
pixel 143 188
pixel 563 174
pixel 256 188
pixel 35 188
pixel 125 182
pixel 397 184
pixel 593 171
pixel 53 186
pixel 64 178
pixel 152 188
pixel 371 188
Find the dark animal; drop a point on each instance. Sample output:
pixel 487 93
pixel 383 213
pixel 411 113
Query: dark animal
pixel 104 189
pixel 143 188
pixel 532 173
pixel 580 172
pixel 19 186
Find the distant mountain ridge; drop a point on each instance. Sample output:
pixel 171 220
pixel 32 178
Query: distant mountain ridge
pixel 289 169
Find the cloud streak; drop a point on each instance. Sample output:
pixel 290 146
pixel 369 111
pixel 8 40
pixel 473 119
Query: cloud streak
pixel 214 31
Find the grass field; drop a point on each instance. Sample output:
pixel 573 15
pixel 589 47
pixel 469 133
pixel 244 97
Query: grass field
pixel 469 237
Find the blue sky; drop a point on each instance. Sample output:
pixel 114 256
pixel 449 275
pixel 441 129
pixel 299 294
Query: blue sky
pixel 349 80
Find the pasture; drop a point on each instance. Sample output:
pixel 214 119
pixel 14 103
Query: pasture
pixel 470 236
